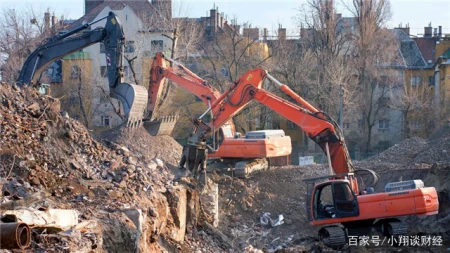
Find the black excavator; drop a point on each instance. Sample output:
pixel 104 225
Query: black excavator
pixel 132 97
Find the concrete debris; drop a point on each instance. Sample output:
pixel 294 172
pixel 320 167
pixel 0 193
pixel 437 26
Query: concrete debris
pixel 51 218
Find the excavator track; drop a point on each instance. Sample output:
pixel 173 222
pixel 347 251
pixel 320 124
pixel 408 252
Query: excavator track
pixel 334 237
pixel 395 228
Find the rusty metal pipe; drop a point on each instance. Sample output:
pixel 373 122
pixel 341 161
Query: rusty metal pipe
pixel 14 236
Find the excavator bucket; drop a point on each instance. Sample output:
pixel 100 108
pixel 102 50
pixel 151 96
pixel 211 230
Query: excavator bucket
pixel 162 126
pixel 134 101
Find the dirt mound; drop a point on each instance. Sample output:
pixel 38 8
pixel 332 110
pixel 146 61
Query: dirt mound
pixel 402 153
pixel 145 146
pixel 438 148
pixel 124 195
pixel 412 151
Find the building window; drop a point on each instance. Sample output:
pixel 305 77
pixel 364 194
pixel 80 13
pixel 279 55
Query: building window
pixel 129 46
pixel 44 89
pixel 383 124
pixel 415 124
pixel 157 45
pixel 416 80
pixel 431 80
pixel 73 100
pixel 383 145
pixel 106 121
pixel 291 125
pixel 103 99
pixel 385 101
pixel 75 72
pixel 361 123
pixel 103 71
pixel 102 48
pixel 224 71
pixel 126 71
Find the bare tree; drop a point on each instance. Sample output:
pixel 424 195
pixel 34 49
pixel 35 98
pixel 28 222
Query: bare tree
pixel 21 30
pixel 416 105
pixel 373 50
pixel 228 55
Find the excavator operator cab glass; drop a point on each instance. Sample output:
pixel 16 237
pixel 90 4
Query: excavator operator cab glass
pixel 334 200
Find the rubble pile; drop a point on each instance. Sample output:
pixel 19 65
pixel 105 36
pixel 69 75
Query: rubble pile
pixel 279 191
pixel 438 148
pixel 126 200
pixel 402 153
pixel 144 146
pixel 51 151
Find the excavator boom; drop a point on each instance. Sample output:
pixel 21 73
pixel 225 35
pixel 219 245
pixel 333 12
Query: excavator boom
pixel 132 97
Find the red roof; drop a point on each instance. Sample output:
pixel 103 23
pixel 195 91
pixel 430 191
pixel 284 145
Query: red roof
pixel 427 47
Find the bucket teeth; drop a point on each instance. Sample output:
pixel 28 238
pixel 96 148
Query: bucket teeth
pixel 161 126
pixel 134 100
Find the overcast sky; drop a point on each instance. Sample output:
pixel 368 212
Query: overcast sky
pixel 269 13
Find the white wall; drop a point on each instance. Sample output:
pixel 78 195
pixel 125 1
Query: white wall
pixel 132 25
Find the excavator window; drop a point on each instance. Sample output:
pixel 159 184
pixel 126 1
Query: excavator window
pixel 323 202
pixel 345 201
pixel 334 200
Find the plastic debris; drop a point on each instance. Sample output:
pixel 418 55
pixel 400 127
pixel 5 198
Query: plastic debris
pixel 266 220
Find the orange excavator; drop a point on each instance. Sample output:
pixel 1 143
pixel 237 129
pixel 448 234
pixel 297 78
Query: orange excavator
pixel 246 154
pixel 335 201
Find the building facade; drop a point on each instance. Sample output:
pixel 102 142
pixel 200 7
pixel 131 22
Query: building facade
pixel 144 24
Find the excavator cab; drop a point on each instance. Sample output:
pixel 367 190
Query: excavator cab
pixel 331 199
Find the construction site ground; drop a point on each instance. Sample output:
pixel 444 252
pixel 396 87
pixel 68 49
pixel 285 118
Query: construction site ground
pixel 121 184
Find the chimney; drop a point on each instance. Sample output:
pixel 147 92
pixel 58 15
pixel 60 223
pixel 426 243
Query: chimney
pixel 46 21
pixel 212 20
pixel 54 20
pixel 440 31
pixel 435 32
pixel 428 31
pixel 281 33
pixel 217 17
pixel 265 34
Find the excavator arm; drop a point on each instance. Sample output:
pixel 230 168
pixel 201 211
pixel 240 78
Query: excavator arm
pixel 180 75
pixel 318 126
pixel 132 97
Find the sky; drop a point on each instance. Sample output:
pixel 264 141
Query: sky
pixel 267 13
